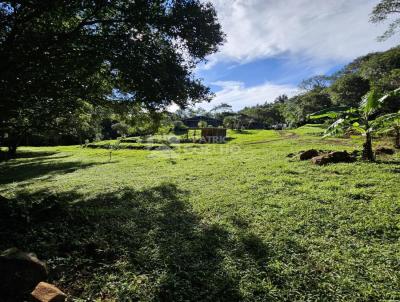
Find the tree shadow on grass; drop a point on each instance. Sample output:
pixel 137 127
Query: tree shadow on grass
pixel 229 139
pixel 388 162
pixel 241 131
pixel 144 245
pixel 396 170
pixel 147 243
pixel 35 154
pixel 16 171
pixel 26 154
pixel 150 245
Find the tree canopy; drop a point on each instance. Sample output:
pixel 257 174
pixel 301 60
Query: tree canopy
pixel 54 54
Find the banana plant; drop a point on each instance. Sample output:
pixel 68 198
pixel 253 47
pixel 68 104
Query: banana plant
pixel 389 123
pixel 357 119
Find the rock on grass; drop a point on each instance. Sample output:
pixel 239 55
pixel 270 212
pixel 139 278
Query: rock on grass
pixel 333 157
pixel 309 154
pixel 384 150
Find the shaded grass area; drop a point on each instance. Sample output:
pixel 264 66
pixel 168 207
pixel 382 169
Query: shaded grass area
pixel 31 169
pixel 241 223
pixel 150 242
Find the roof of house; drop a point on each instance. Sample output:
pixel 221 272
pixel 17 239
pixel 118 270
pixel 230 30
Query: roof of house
pixel 193 121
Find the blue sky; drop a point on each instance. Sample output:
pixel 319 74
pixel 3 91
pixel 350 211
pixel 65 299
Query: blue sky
pixel 273 45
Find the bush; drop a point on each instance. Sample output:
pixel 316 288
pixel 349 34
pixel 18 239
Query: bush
pixel 202 124
pixel 180 127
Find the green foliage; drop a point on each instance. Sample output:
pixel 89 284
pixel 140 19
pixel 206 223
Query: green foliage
pixel 266 116
pixel 389 124
pixel 202 124
pixel 350 119
pixel 298 108
pixel 389 81
pixel 348 89
pixel 380 65
pixel 121 128
pixel 179 127
pixel 231 122
pixel 269 115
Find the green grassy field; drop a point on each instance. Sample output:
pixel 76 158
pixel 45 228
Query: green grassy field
pixel 234 222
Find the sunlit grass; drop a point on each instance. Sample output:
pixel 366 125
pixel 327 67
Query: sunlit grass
pixel 232 222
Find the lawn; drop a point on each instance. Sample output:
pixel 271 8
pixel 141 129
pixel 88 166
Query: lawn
pixel 233 222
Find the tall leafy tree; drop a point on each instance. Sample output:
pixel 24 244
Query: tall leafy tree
pixel 231 122
pixel 387 9
pixel 221 110
pixel 315 82
pixel 298 108
pixel 54 54
pixel 348 89
pixel 380 64
pixel 281 99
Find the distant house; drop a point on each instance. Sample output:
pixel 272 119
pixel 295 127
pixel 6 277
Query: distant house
pixel 279 126
pixel 192 122
pixel 213 135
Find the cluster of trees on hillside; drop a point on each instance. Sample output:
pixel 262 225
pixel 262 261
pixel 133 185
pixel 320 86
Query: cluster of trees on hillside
pixel 376 71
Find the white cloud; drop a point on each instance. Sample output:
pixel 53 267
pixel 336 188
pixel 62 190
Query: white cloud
pixel 321 30
pixel 239 96
pixel 314 34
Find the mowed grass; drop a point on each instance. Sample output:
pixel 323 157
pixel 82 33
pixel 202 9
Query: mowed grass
pixel 234 222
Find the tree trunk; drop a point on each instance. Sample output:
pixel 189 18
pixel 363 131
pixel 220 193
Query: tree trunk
pixel 3 155
pixel 12 150
pixel 397 144
pixel 368 153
